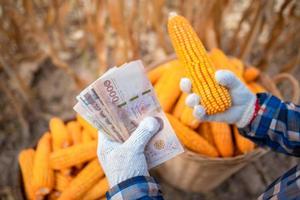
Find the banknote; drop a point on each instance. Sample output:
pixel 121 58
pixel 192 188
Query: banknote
pixel 120 99
pixel 93 102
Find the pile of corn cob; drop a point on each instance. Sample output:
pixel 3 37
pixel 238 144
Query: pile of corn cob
pixel 212 139
pixel 64 164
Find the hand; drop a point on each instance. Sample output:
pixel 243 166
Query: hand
pixel 243 100
pixel 121 161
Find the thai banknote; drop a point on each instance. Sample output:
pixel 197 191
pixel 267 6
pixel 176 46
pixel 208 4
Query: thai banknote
pixel 127 97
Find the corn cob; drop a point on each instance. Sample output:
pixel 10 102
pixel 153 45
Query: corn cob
pixel 97 191
pixel 188 118
pixel 238 67
pixel 200 70
pixel 73 155
pixel 87 125
pixel 251 74
pixel 157 72
pixel 221 61
pixel 205 132
pixel 26 159
pixel 93 134
pixel 243 144
pixel 191 139
pixel 86 136
pixel 167 87
pixel 60 136
pixel 43 175
pixel 74 129
pixel 61 181
pixel 83 181
pixel 180 105
pixel 255 88
pixel 221 133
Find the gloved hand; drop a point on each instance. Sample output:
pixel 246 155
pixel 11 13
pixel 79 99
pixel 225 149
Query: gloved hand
pixel 243 100
pixel 121 161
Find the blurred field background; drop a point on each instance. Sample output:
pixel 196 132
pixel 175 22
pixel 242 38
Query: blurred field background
pixel 49 50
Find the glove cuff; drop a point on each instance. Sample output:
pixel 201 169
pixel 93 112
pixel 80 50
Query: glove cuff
pixel 248 114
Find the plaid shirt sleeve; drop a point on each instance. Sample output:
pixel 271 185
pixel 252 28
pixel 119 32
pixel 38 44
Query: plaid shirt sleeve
pixel 139 187
pixel 286 187
pixel 277 125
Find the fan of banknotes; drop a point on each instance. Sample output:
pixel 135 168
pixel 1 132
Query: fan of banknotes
pixel 117 101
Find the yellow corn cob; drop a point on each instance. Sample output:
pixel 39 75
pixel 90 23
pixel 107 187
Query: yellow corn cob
pixel 97 191
pixel 86 136
pixel 221 133
pixel 243 144
pixel 86 125
pixel 200 70
pixel 221 61
pixel 158 71
pixel 83 181
pixel 238 67
pixel 188 118
pixel 74 129
pixel 93 134
pixel 43 175
pixel 61 181
pixel 205 132
pixel 251 74
pixel 167 87
pixel 191 139
pixel 26 159
pixel 255 88
pixel 180 105
pixel 60 136
pixel 73 155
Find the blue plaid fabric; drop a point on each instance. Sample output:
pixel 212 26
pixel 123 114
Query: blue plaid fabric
pixel 286 187
pixel 139 187
pixel 277 125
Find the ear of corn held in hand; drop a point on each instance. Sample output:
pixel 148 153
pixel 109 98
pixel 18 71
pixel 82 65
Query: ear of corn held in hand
pixel 192 54
pixel 26 159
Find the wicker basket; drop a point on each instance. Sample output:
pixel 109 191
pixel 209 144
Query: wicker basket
pixel 192 172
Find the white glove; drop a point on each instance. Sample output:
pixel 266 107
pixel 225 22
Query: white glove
pixel 243 100
pixel 121 161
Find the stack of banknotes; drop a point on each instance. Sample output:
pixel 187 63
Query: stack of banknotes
pixel 117 102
